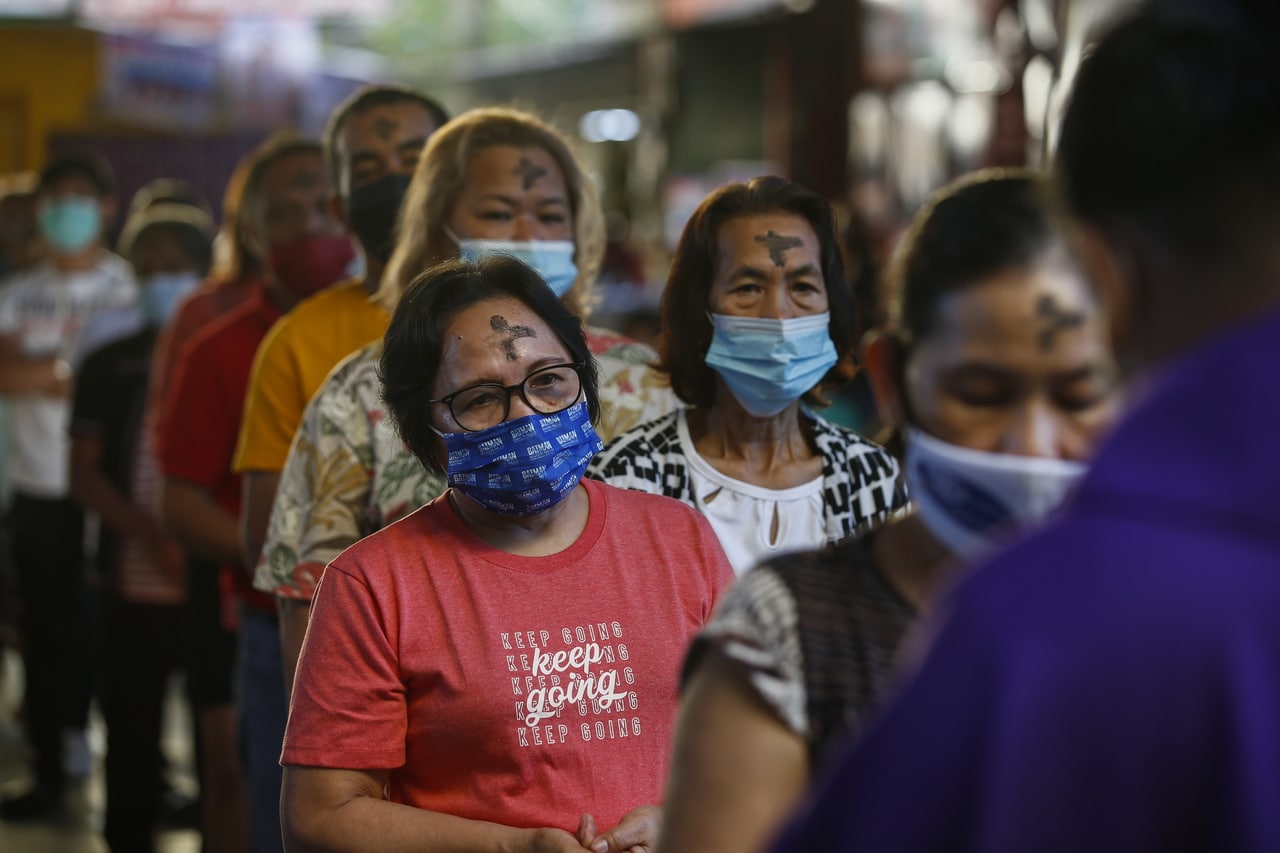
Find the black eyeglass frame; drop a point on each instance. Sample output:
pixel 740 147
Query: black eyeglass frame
pixel 508 390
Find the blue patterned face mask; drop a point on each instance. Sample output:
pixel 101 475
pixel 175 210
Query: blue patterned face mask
pixel 550 259
pixel 70 223
pixel 769 364
pixel 523 466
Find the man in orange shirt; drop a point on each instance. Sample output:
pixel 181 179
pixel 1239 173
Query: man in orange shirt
pixel 371 148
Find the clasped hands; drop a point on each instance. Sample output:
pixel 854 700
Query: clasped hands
pixel 637 832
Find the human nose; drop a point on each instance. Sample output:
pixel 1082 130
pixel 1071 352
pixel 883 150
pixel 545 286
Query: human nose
pixel 777 304
pixel 1035 431
pixel 524 227
pixel 517 406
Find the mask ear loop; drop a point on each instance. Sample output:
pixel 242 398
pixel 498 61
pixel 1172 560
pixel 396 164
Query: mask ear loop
pixel 448 232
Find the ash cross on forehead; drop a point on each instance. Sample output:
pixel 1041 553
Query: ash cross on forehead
pixel 384 127
pixel 777 244
pixel 529 172
pixel 1055 320
pixel 499 324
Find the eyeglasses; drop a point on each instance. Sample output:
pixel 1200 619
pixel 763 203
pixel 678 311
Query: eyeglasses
pixel 546 391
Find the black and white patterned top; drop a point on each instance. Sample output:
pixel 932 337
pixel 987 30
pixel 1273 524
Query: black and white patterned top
pixel 861 482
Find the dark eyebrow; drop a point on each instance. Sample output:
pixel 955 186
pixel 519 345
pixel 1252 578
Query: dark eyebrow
pixel 748 271
pixel 360 157
pixel 545 361
pixel 412 144
pixel 979 370
pixel 1085 371
pixel 986 371
pixel 505 199
pixel 801 272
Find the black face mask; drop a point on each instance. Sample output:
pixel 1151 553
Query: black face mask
pixel 371 214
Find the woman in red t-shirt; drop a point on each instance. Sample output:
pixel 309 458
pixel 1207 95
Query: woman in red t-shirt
pixel 505 661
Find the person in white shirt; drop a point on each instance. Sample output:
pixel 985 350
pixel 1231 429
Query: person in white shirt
pixel 42 312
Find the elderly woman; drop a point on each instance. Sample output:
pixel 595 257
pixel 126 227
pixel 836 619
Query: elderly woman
pixel 997 362
pixel 492 180
pixel 758 318
pixel 498 670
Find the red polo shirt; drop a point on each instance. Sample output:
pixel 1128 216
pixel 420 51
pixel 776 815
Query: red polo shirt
pixel 202 409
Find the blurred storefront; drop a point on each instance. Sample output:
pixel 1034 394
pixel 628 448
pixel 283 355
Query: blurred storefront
pixel 174 88
pixel 872 104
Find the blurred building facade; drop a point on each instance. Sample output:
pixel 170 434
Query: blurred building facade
pixel 872 104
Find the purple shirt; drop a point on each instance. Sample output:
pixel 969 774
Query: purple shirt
pixel 1113 682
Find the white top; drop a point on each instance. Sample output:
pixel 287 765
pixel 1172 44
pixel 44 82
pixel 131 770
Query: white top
pixel 46 310
pixel 753 523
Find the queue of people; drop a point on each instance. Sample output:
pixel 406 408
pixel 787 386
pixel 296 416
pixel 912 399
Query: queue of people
pixel 446 567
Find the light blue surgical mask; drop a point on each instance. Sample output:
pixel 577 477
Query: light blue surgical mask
pixel 160 294
pixel 552 260
pixel 769 364
pixel 71 223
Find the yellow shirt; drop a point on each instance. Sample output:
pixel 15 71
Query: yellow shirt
pixel 293 361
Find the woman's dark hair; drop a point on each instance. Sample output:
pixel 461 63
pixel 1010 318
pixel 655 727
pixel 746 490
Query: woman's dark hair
pixel 414 343
pixel 686 326
pixel 975 228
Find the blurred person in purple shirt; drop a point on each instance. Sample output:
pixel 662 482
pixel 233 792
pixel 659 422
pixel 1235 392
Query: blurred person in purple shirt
pixel 1113 682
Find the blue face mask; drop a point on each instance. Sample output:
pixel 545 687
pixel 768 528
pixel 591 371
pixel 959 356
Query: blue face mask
pixel 160 293
pixel 70 224
pixel 551 259
pixel 769 364
pixel 524 466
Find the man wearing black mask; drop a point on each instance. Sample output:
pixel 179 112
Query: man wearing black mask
pixel 371 147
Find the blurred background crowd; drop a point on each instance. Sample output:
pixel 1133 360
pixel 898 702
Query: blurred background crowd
pixel 870 104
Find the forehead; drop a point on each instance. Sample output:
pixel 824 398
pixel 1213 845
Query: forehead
pixel 759 239
pixel 297 171
pixel 509 169
pixel 391 123
pixel 1023 313
pixel 159 239
pixel 479 339
pixel 73 183
pixel 475 325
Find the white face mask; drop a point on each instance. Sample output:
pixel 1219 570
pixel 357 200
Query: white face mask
pixel 972 500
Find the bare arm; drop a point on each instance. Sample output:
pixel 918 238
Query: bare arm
pixel 329 810
pixel 91 488
pixel 19 374
pixel 258 493
pixel 192 515
pixel 294 615
pixel 737 770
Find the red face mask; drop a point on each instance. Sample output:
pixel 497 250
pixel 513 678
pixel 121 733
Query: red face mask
pixel 308 265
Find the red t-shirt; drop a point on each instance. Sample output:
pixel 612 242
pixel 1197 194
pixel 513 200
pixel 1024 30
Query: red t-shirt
pixel 202 409
pixel 444 660
pixel 212 300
